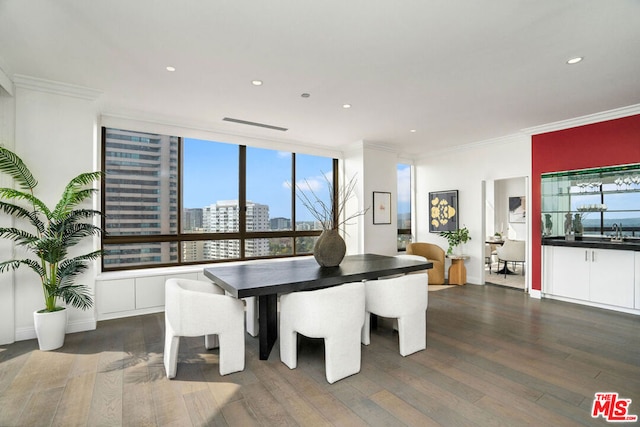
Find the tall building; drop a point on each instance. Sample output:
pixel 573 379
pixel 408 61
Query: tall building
pixel 224 216
pixel 141 199
pixel 192 219
pixel 280 223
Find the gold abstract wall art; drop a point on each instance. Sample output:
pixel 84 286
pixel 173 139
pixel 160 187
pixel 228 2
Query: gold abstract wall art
pixel 443 211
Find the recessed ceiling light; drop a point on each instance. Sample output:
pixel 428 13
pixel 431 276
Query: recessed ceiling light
pixel 575 60
pixel 256 82
pixel 346 105
pixel 170 68
pixel 412 131
pixel 305 95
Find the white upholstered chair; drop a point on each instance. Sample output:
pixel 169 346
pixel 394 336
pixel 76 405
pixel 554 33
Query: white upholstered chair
pixel 194 308
pixel 511 251
pixel 404 298
pixel 335 314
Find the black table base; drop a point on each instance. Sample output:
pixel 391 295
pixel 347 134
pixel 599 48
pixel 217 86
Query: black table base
pixel 267 322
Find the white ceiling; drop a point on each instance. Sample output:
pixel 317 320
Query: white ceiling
pixel 455 71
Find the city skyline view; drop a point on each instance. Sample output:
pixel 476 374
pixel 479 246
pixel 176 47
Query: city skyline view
pixel 209 177
pixel 145 176
pixel 268 178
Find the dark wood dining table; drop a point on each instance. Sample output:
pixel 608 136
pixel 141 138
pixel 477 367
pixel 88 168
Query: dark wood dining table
pixel 267 279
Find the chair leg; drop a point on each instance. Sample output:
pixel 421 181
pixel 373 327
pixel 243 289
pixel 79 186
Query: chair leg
pixel 342 355
pixel 231 351
pixel 289 347
pixel 251 316
pixel 412 330
pixel 211 341
pixel 171 346
pixel 365 336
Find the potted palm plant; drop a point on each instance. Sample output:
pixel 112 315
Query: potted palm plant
pixel 50 235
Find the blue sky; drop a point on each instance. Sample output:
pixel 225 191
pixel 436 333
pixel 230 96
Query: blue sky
pixel 404 188
pixel 211 174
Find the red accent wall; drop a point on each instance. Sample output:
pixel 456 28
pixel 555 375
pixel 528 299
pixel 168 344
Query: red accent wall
pixel 609 143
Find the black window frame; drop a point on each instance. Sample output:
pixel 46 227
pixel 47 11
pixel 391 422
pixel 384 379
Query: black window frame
pixel 179 237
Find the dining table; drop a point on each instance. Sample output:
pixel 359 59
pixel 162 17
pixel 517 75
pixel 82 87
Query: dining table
pixel 266 279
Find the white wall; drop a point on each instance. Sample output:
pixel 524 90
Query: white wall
pixel 55 135
pixel 464 170
pixel 375 167
pixel 7 120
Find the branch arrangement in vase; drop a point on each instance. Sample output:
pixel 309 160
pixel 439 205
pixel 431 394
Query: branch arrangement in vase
pixel 329 216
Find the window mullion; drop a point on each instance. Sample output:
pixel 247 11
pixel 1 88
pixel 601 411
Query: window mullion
pixel 242 198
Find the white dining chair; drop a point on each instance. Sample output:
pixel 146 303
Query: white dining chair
pixel 403 298
pixel 512 251
pixel 194 308
pixel 335 314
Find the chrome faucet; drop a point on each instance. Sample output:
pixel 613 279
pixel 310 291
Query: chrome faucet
pixel 618 229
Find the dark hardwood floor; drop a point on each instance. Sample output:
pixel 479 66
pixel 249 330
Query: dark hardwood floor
pixel 494 357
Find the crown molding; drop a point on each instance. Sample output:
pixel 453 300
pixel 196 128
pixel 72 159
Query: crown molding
pixel 379 147
pixel 507 139
pixel 362 145
pixel 584 120
pixel 57 88
pixel 6 83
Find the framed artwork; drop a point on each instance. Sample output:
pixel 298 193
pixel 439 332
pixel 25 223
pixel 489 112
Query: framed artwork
pixel 443 211
pixel 517 209
pixel 381 207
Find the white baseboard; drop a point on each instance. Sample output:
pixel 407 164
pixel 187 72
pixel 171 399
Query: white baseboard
pixel 29 333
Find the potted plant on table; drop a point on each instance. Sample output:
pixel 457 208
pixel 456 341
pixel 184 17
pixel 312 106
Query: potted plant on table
pixel 50 236
pixel 455 238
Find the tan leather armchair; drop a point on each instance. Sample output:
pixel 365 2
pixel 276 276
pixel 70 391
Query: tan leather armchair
pixel 433 253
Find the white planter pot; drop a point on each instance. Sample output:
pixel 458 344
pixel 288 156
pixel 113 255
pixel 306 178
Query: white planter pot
pixel 50 329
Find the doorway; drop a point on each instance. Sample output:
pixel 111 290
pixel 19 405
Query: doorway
pixel 506 204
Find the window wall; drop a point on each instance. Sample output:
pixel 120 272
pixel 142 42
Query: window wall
pixel 404 205
pixel 171 201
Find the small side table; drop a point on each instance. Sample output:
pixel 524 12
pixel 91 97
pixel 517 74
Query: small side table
pixel 457 271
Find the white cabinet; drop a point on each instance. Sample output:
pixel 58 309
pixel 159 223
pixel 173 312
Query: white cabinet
pixel 612 277
pixel 129 296
pixel 601 276
pixel 570 273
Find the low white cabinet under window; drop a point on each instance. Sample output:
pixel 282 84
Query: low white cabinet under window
pixel 130 296
pixel 603 276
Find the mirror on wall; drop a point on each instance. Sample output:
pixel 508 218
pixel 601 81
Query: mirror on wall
pixel 592 202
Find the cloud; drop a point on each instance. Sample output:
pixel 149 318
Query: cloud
pixel 317 184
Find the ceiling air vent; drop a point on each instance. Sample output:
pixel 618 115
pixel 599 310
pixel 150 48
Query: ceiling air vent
pixel 262 125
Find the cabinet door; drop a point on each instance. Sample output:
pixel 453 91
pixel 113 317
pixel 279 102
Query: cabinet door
pixel 612 277
pixel 570 275
pixel 115 295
